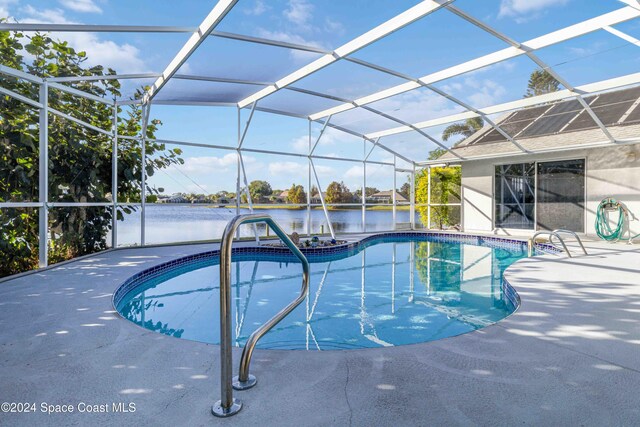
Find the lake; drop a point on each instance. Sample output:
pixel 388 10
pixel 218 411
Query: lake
pixel 179 223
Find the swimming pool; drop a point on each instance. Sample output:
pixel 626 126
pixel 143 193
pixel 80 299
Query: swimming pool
pixel 383 291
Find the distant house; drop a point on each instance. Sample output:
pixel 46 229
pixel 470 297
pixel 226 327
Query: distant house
pixel 281 197
pixel 176 198
pixel 201 199
pixel 386 197
pixel 315 199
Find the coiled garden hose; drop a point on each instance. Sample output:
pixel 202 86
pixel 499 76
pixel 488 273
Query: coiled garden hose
pixel 604 230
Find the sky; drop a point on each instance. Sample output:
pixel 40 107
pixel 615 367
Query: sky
pixel 432 43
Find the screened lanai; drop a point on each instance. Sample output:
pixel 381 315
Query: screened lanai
pixel 364 100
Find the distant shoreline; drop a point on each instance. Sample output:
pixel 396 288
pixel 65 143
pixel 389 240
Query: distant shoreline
pixel 331 208
pixel 285 207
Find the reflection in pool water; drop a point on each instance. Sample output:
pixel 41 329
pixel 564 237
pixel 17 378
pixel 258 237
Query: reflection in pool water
pixel 390 293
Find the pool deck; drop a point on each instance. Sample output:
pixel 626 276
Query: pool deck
pixel 569 355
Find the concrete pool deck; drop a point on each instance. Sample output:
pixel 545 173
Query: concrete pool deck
pixel 569 355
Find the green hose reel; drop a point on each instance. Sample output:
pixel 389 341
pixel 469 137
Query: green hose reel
pixel 604 229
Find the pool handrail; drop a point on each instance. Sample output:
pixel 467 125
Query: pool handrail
pixel 552 234
pixel 227 405
pixel 557 232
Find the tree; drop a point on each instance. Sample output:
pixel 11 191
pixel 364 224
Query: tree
pixel 405 190
pixel 464 129
pixel 445 185
pixel 296 194
pixel 337 192
pixel 541 82
pixel 436 153
pixel 314 191
pixel 259 190
pixel 80 159
pixel 369 191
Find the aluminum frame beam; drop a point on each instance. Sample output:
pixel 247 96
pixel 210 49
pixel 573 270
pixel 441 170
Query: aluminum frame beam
pixel 214 17
pixel 146 113
pixel 114 179
pixel 324 127
pixel 21 98
pixel 441 93
pixel 256 150
pixel 80 93
pixel 244 134
pixel 20 74
pixel 567 33
pixel 531 55
pixel 337 127
pixel 622 35
pixel 377 112
pixel 43 177
pixel 599 144
pixel 586 89
pixel 79 122
pixel 399 21
pixel 324 205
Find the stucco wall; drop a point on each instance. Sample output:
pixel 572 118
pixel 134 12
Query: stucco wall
pixel 611 172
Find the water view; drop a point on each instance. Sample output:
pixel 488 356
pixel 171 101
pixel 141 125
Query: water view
pixel 178 223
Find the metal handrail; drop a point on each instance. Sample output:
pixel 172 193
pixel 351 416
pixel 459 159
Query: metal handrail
pixel 554 233
pixel 227 405
pixel 573 233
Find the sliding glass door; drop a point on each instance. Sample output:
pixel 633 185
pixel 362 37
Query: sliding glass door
pixel 514 196
pixel 560 195
pixel 541 196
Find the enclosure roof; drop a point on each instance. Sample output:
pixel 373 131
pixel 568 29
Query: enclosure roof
pixel 406 72
pixel 616 108
pixel 558 125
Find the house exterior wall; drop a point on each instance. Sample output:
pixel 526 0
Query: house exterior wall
pixel 610 172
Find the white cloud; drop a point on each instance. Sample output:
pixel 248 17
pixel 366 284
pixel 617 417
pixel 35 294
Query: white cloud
pixel 299 12
pixel 354 172
pixel 299 19
pixel 193 188
pixel 527 8
pixel 4 8
pixel 207 164
pixel 333 27
pixel 300 144
pixel 44 16
pixel 124 58
pixel 291 169
pixel 86 6
pixel 185 68
pixel 488 93
pixel 257 9
pixel 417 105
pixel 325 171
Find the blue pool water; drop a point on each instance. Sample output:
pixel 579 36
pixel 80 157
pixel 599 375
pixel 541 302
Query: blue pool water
pixel 392 291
